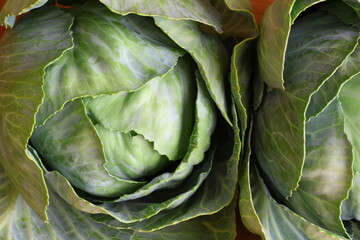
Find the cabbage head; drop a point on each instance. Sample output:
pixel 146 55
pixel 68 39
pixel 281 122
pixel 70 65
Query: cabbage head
pixel 302 180
pixel 122 119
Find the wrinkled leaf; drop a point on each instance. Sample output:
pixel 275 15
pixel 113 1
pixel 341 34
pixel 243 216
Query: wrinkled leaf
pixel 68 143
pixel 208 53
pixel 195 10
pixel 327 174
pixel 24 53
pixel 109 56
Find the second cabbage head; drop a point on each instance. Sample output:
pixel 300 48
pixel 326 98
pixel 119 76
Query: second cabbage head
pixel 302 179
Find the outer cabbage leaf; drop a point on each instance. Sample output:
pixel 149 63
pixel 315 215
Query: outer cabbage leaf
pixel 18 220
pixel 217 226
pixel 277 221
pixel 195 10
pixel 264 216
pixel 65 222
pixel 277 17
pixel 247 209
pixel 24 53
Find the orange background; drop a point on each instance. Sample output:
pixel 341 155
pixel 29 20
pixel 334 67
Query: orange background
pixel 259 8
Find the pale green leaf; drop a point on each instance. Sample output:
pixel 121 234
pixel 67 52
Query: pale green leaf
pixel 130 155
pixel 68 143
pixel 162 111
pixel 207 51
pixel 112 53
pixel 216 191
pixel 63 188
pixel 199 143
